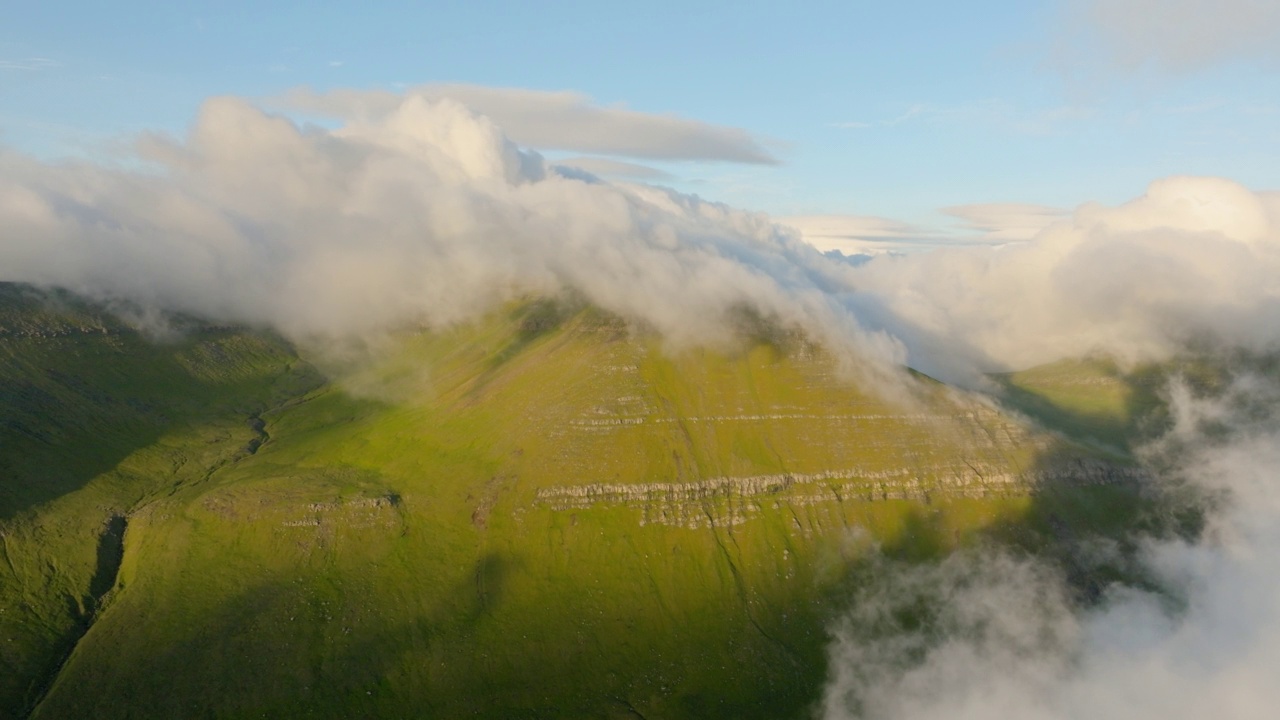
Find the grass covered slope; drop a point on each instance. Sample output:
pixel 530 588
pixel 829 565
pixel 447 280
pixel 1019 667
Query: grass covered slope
pixel 541 515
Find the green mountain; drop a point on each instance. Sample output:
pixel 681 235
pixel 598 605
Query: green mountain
pixel 543 514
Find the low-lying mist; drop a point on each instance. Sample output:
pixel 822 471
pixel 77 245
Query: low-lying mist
pixel 995 635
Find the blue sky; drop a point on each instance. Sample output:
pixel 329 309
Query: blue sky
pixel 894 110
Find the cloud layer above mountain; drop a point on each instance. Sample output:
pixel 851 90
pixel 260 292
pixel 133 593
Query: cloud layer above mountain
pixel 421 213
pixel 426 212
pixel 1194 259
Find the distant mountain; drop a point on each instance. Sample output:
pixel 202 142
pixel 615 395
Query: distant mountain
pixel 543 514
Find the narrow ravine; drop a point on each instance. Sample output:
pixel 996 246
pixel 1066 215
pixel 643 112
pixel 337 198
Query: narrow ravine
pixel 105 576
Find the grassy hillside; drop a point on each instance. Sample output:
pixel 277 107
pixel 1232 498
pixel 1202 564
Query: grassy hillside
pixel 541 515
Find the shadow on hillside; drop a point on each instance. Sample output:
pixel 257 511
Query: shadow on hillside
pixel 1140 419
pixel 288 648
pixel 533 321
pixel 321 648
pixel 72 407
pixel 1112 503
pixel 25 689
pixel 75 405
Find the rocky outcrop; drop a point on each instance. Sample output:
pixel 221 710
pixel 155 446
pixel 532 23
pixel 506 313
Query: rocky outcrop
pixel 734 500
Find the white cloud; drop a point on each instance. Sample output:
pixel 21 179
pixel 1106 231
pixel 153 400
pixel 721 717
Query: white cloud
pixel 862 234
pixel 1194 257
pixel 1006 222
pixel 983 224
pixel 424 211
pixel 853 227
pixel 28 64
pixel 993 223
pixel 1171 35
pixel 995 113
pixel 559 121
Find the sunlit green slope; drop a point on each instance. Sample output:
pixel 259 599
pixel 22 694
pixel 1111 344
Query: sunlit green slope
pixel 541 515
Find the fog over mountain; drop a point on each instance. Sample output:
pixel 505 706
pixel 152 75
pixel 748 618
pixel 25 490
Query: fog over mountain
pixel 427 213
pixel 1193 259
pixel 1005 642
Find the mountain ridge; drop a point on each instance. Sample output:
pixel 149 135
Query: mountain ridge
pixel 539 514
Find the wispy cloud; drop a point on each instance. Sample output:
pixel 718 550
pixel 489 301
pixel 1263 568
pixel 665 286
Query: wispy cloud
pixel 29 64
pixel 910 113
pixel 559 121
pixel 995 113
pixel 981 224
pixel 1006 222
pixel 864 234
pixel 1176 36
pixel 1197 108
pixel 608 167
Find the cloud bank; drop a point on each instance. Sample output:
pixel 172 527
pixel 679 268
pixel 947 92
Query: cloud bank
pixel 1192 260
pixel 426 213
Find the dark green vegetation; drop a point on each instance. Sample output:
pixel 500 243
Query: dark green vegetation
pixel 1092 400
pixel 541 515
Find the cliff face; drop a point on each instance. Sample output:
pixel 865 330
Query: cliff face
pixel 544 514
pixel 727 501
